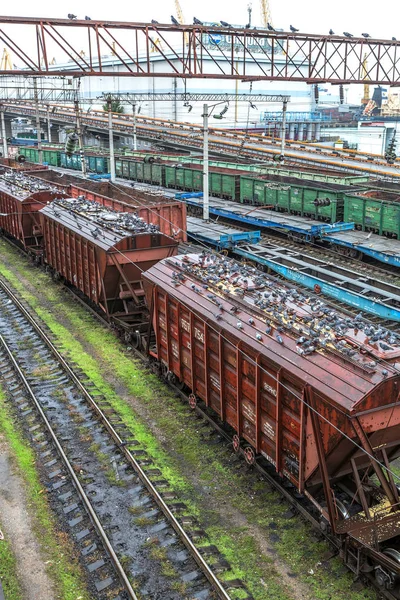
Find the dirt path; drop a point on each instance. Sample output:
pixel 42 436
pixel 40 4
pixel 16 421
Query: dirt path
pixel 17 527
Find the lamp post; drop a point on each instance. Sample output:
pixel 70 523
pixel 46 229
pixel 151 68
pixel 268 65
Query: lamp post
pixel 206 200
pixel 111 142
pixel 3 133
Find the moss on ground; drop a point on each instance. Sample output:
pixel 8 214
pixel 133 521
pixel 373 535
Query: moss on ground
pixel 62 565
pixel 290 539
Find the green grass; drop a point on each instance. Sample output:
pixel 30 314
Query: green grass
pixel 187 454
pixel 62 565
pixel 8 572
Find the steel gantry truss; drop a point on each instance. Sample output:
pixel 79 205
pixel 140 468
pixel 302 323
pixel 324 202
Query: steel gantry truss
pixel 49 89
pixel 191 51
pixel 128 98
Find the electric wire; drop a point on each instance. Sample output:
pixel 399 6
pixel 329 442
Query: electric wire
pixel 273 377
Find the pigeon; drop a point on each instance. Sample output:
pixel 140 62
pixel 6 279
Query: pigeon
pixel 366 35
pixel 394 39
pixel 174 21
pixel 71 16
pixel 331 32
pixel 247 26
pixel 293 29
pixel 87 18
pixel 347 34
pixel 269 27
pixel 154 22
pixel 197 21
pixel 225 24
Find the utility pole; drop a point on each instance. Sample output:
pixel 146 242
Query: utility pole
pixel 134 127
pixel 283 136
pixel 206 201
pixel 38 129
pixel 48 124
pixel 111 141
pixel 3 133
pixel 80 137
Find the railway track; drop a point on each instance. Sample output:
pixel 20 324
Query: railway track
pixel 300 504
pixel 136 539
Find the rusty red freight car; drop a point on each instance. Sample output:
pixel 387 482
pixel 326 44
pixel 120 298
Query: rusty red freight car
pixel 10 163
pixel 314 391
pixel 21 197
pixel 103 254
pixel 168 214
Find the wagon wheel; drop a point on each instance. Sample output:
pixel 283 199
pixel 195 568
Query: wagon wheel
pixel 192 401
pixel 249 455
pixel 236 443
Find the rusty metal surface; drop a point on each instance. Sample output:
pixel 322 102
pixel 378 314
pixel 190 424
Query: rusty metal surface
pixel 102 226
pixel 102 252
pixel 248 346
pixel 10 163
pixel 21 197
pixel 265 55
pixel 168 215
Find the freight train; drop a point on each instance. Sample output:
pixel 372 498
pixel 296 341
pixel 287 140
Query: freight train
pixel 373 205
pixel 313 391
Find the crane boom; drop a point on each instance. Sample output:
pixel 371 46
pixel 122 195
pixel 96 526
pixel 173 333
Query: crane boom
pixel 181 20
pixel 6 63
pixel 266 13
pixel 366 97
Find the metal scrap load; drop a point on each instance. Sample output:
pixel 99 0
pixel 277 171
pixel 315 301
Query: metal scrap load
pixel 22 186
pixel 315 326
pixel 122 223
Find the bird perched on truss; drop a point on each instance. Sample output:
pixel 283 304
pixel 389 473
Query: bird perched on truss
pixel 225 24
pixel 174 21
pixel 293 29
pixel 366 35
pixel 197 21
pixel 331 32
pixel 347 34
pixel 71 16
pixel 269 27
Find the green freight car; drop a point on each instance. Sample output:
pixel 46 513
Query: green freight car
pixel 183 178
pixel 320 201
pixel 373 210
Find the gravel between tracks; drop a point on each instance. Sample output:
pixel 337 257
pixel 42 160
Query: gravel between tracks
pixel 207 495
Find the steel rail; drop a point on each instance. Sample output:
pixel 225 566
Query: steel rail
pixel 77 485
pixel 97 120
pixel 211 577
pixel 182 134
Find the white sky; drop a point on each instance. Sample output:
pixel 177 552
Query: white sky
pixel 311 16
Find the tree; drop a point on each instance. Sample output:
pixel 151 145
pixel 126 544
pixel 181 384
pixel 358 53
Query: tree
pixel 116 107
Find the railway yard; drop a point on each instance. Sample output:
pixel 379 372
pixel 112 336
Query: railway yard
pixel 128 488
pixel 199 332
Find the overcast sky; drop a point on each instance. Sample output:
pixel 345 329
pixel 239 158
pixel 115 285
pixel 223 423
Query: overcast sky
pixel 311 16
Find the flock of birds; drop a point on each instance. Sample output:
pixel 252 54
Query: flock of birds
pixel 22 186
pixel 197 21
pixel 312 323
pixel 103 218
